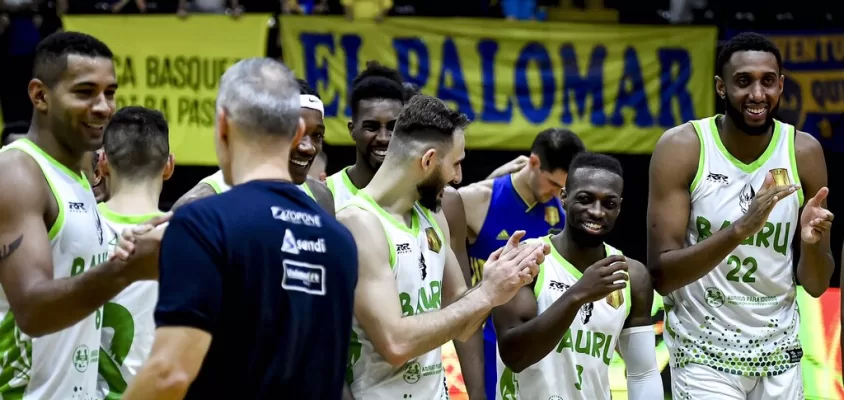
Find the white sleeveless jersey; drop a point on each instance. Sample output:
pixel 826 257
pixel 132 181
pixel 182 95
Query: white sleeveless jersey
pixel 341 188
pixel 578 368
pixel 741 318
pixel 61 365
pixel 417 258
pixel 128 325
pixel 217 183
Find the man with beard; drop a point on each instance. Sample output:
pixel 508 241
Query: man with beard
pixel 580 296
pixel 411 297
pixel 718 248
pixel 301 157
pixel 494 208
pixel 376 99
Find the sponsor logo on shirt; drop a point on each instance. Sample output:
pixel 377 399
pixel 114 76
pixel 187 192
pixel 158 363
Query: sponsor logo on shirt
pixel 303 277
pixel 294 246
pixel 296 217
pixel 75 206
pixel 403 248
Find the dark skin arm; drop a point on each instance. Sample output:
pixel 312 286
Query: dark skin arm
pixel 469 353
pixel 322 194
pixel 672 169
pixel 201 190
pixel 642 295
pixel 524 337
pixel 42 304
pixel 816 264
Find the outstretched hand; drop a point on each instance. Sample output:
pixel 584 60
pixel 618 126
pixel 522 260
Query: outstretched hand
pixel 815 221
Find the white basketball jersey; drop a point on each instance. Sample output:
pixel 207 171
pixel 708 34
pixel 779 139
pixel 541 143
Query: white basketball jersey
pixel 341 187
pixel 741 318
pixel 62 365
pixel 128 325
pixel 417 258
pixel 217 183
pixel 578 368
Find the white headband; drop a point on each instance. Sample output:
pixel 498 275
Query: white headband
pixel 312 102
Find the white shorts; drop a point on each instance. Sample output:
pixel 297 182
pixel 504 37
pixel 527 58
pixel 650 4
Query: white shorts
pixel 699 382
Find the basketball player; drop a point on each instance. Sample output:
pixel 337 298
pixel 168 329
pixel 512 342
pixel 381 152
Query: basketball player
pixel 242 315
pixel 526 200
pixel 411 297
pixel 136 162
pixel 53 253
pixel 557 336
pixel 720 234
pixel 376 99
pixel 301 157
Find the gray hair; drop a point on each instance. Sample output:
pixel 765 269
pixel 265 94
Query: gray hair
pixel 261 96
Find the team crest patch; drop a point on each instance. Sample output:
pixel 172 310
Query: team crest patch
pixel 434 242
pixel 552 215
pixel 615 299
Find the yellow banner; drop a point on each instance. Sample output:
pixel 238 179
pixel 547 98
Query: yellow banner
pixel 174 65
pixel 618 87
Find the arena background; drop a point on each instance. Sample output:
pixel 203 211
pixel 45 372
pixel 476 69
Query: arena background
pixel 640 100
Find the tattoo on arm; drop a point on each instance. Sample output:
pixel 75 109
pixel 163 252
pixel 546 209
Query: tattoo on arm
pixel 6 251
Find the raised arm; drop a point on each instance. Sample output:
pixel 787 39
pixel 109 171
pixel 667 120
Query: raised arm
pixel 636 342
pixel 673 167
pixel 525 337
pixel 322 195
pixel 201 190
pixel 512 166
pixel 40 303
pixel 398 337
pixel 814 270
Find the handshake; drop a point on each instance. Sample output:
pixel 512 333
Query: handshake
pixel 511 267
pixel 137 249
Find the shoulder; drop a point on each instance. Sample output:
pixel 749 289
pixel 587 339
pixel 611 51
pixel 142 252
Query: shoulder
pixel 806 145
pixel 357 219
pixel 198 214
pixel 366 232
pixel 677 153
pixel 453 205
pixel 477 192
pixel 199 191
pixel 684 136
pixel 321 194
pixel 640 279
pixel 22 182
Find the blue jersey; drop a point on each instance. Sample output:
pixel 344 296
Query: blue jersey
pixel 508 213
pixel 271 276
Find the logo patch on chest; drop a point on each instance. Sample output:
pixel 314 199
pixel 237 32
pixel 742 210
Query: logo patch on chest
pixel 434 242
pixel 552 215
pixel 746 197
pixel 615 299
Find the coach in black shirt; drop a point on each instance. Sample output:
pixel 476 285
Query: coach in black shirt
pixel 257 283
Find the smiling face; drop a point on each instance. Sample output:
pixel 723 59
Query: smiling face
pixel 303 154
pixel 373 128
pixel 80 104
pixel 751 88
pixel 592 205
